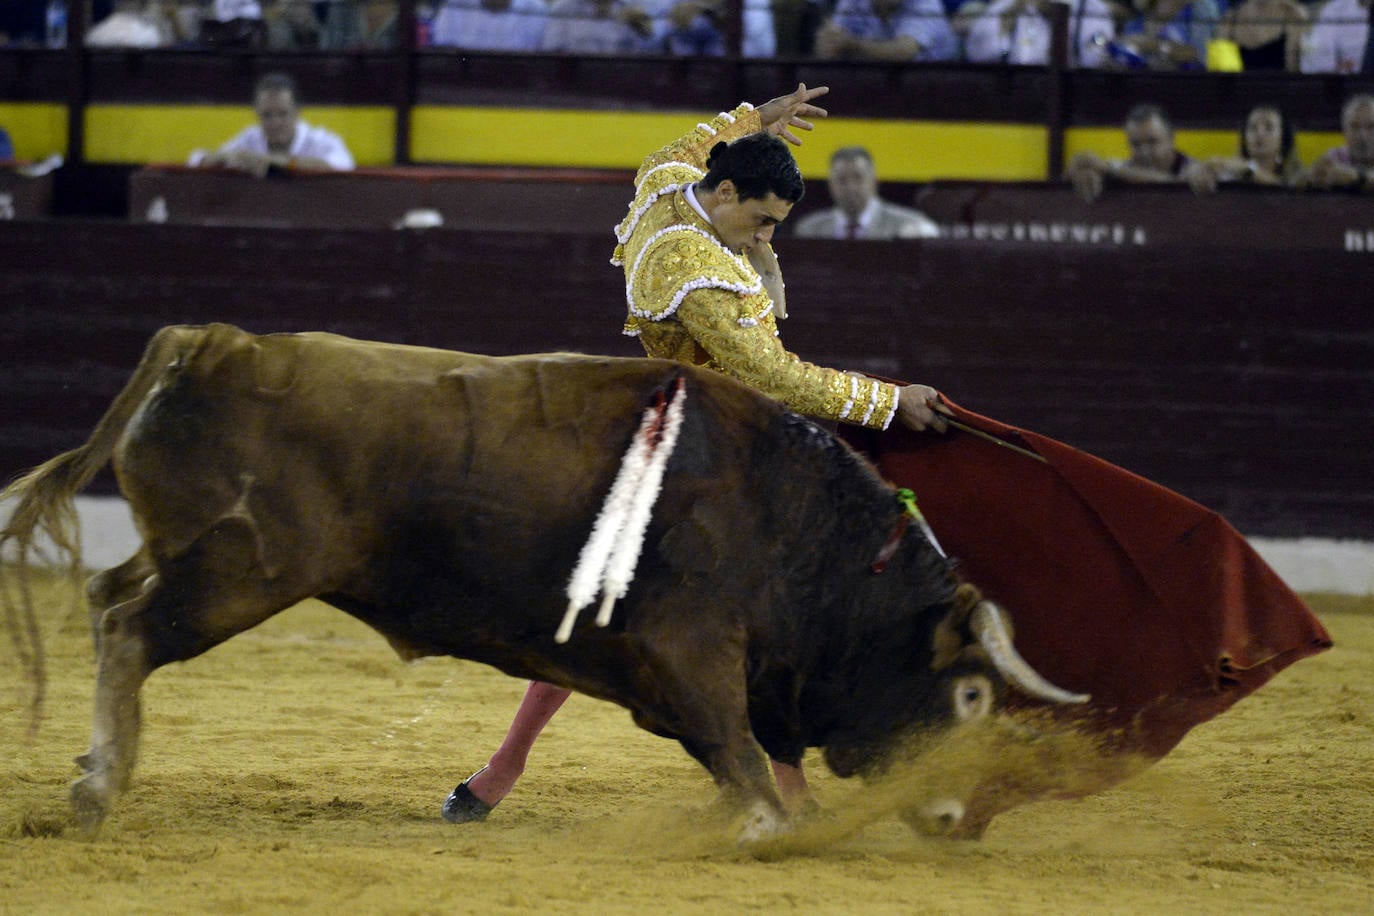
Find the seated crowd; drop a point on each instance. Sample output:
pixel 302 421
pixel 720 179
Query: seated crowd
pixel 891 30
pixel 1265 155
pixel 1317 36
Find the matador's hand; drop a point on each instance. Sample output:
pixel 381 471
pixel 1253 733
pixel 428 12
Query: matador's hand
pixel 780 115
pixel 919 407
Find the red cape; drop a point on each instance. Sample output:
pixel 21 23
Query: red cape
pixel 1117 587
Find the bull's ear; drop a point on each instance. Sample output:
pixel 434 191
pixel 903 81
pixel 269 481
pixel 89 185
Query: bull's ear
pixel 950 636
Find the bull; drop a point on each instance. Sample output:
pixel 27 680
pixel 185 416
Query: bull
pixel 446 500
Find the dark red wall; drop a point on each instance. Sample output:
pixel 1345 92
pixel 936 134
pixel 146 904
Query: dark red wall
pixel 1242 377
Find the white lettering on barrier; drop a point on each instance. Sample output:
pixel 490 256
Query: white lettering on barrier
pixel 1116 234
pixel 1359 240
pixel 6 205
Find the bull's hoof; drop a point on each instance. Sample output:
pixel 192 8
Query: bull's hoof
pixel 761 823
pixel 90 803
pixel 462 807
pixel 945 819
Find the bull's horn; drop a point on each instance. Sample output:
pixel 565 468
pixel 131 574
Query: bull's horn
pixel 989 624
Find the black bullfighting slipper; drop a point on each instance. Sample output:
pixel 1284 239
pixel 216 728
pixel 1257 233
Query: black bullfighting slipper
pixel 462 807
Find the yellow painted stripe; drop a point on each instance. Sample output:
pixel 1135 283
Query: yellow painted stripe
pixel 926 150
pixel 1312 146
pixel 903 150
pixel 37 129
pixel 169 133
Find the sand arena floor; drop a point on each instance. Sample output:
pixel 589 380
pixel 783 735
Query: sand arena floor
pixel 300 768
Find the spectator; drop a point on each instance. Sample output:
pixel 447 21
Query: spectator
pixel 492 25
pixel 292 25
pixel 1018 32
pixel 231 10
pixel 693 29
pixel 134 24
pixel 599 27
pixel 1153 160
pixel 360 24
pixel 760 31
pixel 858 211
pixel 1174 33
pixel 1269 33
pixel 233 23
pixel 186 17
pixel 1267 155
pixel 962 19
pixel 1339 39
pixel 6 146
pixel 796 23
pixel 280 139
pixel 887 30
pixel 1349 167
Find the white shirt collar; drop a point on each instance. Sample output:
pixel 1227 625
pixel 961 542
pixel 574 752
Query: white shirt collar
pixel 691 195
pixel 869 213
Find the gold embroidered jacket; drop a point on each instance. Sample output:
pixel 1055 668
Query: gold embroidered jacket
pixel 693 300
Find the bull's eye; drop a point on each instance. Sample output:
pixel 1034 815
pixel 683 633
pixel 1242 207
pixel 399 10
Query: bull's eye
pixel 972 696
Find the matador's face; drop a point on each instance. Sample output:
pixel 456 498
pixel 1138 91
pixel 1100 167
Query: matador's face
pixel 745 224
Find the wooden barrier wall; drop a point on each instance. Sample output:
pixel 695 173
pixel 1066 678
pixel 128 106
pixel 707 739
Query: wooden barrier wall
pixel 1242 378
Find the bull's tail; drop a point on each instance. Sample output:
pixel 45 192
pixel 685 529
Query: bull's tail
pixel 44 506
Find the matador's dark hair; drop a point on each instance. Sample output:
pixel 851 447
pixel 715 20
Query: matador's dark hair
pixel 758 164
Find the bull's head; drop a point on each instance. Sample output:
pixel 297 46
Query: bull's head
pixel 972 663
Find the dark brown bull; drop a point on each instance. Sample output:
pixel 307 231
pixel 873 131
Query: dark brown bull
pixel 444 499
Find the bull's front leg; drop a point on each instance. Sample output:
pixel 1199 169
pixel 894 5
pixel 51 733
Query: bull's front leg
pixel 122 667
pixel 740 770
pixel 698 678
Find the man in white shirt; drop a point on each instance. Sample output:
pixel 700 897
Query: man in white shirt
pixel 226 10
pixel 492 25
pixel 280 138
pixel 603 27
pixel 1338 38
pixel 1018 32
pixel 859 213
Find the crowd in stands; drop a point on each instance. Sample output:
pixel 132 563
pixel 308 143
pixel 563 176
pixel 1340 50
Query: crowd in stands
pixel 1327 36
pixel 1265 155
pixel 1316 36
